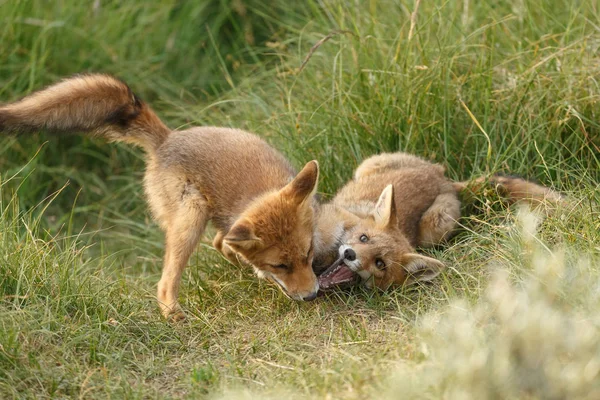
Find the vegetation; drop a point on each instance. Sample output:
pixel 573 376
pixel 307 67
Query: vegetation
pixel 482 87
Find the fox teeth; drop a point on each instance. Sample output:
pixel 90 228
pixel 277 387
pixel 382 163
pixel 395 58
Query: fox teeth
pixel 340 274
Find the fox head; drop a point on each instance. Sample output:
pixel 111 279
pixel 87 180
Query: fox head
pixel 275 235
pixel 379 252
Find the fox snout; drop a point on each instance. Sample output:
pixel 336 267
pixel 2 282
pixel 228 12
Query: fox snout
pixel 307 295
pixel 312 296
pixel 299 285
pixel 349 255
pixel 298 295
pixel 353 261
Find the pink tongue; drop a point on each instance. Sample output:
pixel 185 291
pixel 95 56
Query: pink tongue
pixel 343 274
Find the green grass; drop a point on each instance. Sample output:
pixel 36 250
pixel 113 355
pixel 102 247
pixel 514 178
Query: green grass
pixel 505 86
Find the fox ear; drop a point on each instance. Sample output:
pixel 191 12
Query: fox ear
pixel 241 236
pixel 348 217
pixel 421 268
pixel 385 209
pixel 304 185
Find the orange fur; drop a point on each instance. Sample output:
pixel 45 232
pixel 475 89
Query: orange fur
pixel 262 211
pixel 399 202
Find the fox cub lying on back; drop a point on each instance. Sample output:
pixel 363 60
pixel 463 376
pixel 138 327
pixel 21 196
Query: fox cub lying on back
pixel 262 210
pixel 395 203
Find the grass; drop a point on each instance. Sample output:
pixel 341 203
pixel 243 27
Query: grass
pixel 479 86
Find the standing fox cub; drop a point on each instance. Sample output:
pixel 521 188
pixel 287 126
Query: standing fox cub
pixel 263 212
pixel 395 203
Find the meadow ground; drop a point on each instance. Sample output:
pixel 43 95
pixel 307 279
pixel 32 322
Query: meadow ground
pixel 483 87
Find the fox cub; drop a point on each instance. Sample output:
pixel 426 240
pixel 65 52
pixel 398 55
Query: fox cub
pixel 395 203
pixel 262 210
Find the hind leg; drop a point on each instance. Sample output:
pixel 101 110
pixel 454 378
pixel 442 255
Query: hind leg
pixel 439 221
pixel 182 232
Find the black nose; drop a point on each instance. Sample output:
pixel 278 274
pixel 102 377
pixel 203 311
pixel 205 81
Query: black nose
pixel 310 297
pixel 349 255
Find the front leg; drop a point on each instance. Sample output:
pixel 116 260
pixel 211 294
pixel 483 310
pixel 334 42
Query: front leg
pixel 182 235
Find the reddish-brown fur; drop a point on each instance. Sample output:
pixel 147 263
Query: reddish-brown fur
pixel 400 202
pixel 263 214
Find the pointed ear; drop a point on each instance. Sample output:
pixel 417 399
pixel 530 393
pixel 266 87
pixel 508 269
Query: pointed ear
pixel 241 236
pixel 420 268
pixel 348 217
pixel 304 185
pixel 385 209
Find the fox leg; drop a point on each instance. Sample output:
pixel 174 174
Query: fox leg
pixel 182 233
pixel 439 221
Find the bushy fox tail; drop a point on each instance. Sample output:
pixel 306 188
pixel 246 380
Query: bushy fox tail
pixel 515 189
pixel 99 105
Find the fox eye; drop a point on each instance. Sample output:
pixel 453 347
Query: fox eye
pixel 379 263
pixel 281 266
pixel 310 250
pixel 364 238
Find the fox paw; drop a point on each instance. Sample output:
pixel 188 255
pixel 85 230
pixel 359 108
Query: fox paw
pixel 177 316
pixel 173 314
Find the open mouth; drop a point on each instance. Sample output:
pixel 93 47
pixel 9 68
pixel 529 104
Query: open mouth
pixel 338 275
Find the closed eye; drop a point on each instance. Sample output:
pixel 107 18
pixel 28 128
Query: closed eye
pixel 310 250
